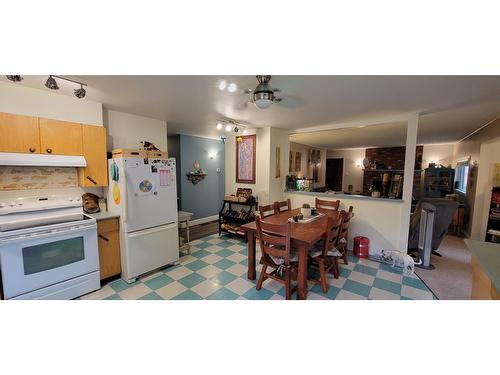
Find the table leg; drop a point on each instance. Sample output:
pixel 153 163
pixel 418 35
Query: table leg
pixel 251 255
pixel 302 276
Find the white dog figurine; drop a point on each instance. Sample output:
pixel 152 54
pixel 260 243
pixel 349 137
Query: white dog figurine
pixel 401 260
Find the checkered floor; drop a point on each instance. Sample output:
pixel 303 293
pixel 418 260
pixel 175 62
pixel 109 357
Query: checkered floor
pixel 216 270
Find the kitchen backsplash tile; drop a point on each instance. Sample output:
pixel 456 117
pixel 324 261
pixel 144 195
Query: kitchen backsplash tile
pixel 22 178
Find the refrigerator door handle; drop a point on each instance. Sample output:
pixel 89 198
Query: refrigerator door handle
pixel 152 230
pixel 125 195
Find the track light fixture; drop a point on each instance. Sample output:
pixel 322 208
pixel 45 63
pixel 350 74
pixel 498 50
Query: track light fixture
pixel 15 78
pixel 80 93
pixel 52 84
pixel 231 125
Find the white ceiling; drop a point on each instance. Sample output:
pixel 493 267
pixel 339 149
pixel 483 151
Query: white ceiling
pixel 451 106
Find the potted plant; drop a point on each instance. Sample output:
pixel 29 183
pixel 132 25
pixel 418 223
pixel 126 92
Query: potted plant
pixel 306 210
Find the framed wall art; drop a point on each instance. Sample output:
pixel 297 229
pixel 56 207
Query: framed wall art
pixel 245 159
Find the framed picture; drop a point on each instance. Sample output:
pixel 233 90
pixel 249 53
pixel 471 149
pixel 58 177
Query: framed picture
pixel 245 159
pixel 277 163
pixel 298 161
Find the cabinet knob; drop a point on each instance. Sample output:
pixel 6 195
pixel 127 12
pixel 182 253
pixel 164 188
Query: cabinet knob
pixel 32 149
pixel 49 150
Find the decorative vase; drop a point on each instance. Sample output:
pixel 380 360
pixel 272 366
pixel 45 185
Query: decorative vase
pixel 306 212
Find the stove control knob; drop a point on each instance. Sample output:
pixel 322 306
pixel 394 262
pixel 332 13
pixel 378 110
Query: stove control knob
pixel 12 204
pixel 70 199
pixel 20 203
pixel 2 205
pixel 76 199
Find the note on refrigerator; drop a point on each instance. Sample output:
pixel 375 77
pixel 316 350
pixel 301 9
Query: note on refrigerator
pixel 165 177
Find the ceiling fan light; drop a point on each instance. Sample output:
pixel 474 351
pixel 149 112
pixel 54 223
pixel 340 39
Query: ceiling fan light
pixel 219 126
pixel 51 83
pixel 222 85
pixel 232 87
pixel 263 99
pixel 228 128
pixel 244 131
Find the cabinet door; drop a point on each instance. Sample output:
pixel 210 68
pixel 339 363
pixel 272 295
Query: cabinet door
pixel 94 150
pixel 109 248
pixel 19 133
pixel 60 137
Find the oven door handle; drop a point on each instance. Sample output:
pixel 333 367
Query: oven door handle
pixel 44 234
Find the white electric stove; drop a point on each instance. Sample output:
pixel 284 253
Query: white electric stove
pixel 48 248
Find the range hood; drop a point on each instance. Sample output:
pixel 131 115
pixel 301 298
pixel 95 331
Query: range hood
pixel 41 160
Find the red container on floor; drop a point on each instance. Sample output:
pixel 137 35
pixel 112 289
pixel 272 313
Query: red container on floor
pixel 361 247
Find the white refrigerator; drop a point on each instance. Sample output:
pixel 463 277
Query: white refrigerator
pixel 143 192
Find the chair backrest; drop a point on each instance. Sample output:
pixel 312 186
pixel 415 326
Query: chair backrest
pixel 346 219
pixel 267 210
pixel 282 206
pixel 331 205
pixel 333 226
pixel 274 239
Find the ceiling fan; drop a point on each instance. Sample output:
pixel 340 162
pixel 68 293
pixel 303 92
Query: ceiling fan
pixel 263 95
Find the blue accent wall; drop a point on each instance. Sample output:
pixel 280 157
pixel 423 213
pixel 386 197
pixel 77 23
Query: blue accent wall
pixel 205 198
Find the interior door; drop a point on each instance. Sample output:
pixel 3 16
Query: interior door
pixel 334 173
pixel 60 137
pixel 19 133
pixel 151 193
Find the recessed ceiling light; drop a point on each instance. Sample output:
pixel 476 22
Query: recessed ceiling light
pixel 232 87
pixel 222 85
pixel 219 126
pixel 244 131
pixel 228 128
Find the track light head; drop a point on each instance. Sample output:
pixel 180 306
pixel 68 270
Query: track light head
pixel 80 93
pixel 51 83
pixel 15 78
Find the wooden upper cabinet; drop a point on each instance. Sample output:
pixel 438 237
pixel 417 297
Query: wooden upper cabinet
pixel 60 137
pixel 94 150
pixel 19 133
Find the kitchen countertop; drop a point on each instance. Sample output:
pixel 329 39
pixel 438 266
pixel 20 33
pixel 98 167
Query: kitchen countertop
pixel 104 215
pixel 346 196
pixel 488 256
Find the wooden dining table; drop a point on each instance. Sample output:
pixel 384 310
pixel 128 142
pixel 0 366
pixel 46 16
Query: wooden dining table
pixel 303 237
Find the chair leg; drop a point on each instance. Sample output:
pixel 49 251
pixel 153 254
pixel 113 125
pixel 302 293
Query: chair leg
pixel 261 277
pixel 344 255
pixel 336 271
pixel 288 284
pixel 322 273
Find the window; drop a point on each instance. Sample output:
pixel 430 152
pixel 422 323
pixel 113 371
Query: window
pixel 462 175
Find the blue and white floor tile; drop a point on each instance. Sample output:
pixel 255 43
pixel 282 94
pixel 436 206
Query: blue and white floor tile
pixel 216 270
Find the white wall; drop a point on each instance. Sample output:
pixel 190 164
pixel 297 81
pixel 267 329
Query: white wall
pixel 279 137
pixel 437 153
pixel 379 220
pixel 126 130
pixel 28 101
pixel 353 167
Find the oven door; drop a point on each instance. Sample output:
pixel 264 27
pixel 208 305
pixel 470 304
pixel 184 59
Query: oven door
pixel 44 258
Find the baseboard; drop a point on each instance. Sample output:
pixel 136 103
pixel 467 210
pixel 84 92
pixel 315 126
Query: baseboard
pixel 201 220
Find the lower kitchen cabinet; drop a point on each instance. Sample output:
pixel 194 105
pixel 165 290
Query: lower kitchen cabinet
pixel 109 247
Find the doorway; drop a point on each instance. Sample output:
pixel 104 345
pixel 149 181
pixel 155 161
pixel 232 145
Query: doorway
pixel 334 173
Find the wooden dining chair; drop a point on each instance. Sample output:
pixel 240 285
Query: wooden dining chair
pixel 324 255
pixel 267 210
pixel 341 243
pixel 282 206
pixel 331 205
pixel 277 254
